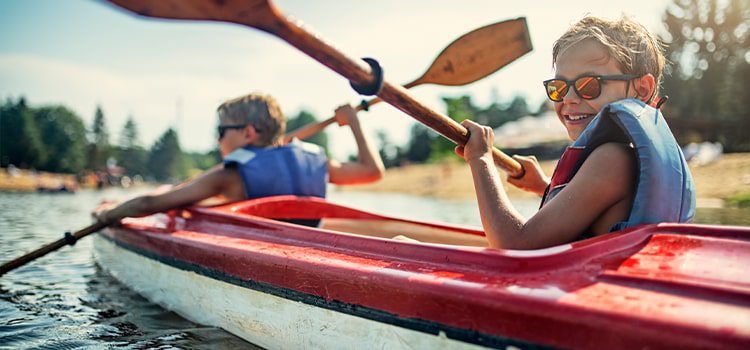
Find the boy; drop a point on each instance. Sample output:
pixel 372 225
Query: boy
pixel 256 164
pixel 624 167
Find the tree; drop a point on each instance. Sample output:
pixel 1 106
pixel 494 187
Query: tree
pixel 425 144
pixel 419 144
pixel 20 140
pixel 131 155
pixel 304 118
pixel 709 44
pixel 197 163
pixel 458 109
pixel 64 136
pixel 544 107
pixel 165 160
pixel 99 148
pixel 389 153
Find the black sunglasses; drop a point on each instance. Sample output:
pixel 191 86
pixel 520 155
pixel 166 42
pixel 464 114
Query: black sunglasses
pixel 223 128
pixel 588 87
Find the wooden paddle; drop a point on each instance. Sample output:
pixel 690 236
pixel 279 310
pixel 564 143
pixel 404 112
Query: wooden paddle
pixel 263 15
pixel 68 239
pixel 467 59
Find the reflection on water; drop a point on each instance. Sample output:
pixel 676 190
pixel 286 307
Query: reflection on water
pixel 726 216
pixel 64 301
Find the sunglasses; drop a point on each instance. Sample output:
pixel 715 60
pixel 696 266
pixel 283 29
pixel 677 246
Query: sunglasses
pixel 588 87
pixel 223 128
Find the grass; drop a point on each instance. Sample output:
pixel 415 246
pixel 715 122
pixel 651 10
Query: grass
pixel 740 200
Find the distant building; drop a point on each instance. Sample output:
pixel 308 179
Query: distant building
pixel 542 136
pixel 531 131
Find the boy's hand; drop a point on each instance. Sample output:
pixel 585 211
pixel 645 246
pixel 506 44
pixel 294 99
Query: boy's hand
pixel 346 115
pixel 533 179
pixel 481 139
pixel 102 212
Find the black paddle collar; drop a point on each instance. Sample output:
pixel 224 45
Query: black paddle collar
pixel 377 83
pixel 70 239
pixel 364 105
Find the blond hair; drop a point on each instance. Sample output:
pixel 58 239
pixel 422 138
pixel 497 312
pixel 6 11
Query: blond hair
pixel 260 111
pixel 628 42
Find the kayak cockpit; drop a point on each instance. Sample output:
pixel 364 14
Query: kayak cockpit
pixel 338 218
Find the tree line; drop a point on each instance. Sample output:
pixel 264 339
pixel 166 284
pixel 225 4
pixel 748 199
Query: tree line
pixel 708 44
pixel 55 139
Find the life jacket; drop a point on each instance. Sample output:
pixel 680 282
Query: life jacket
pixel 664 189
pixel 297 168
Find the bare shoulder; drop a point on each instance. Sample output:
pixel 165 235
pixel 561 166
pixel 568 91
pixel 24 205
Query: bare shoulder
pixel 612 157
pixel 213 180
pixel 609 168
pixel 221 177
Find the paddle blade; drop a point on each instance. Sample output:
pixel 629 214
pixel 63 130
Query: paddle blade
pixel 246 12
pixel 479 53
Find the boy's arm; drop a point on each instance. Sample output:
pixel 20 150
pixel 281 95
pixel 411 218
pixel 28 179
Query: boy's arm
pixel 368 167
pixel 211 183
pixel 604 180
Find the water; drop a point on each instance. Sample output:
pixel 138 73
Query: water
pixel 64 301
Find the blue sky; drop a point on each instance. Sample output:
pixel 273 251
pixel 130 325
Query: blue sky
pixel 164 73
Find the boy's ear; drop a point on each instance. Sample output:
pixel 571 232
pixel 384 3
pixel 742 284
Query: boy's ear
pixel 250 134
pixel 644 87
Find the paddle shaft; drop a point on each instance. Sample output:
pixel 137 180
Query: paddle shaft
pixel 312 129
pixel 18 262
pixel 359 73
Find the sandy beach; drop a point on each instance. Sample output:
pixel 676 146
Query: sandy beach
pixel 727 177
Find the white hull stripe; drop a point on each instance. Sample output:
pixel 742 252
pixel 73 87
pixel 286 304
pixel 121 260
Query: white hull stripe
pixel 420 325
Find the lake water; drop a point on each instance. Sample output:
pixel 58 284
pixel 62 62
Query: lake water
pixel 64 301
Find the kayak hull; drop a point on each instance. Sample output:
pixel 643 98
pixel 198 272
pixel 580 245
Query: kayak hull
pixel 281 285
pixel 269 321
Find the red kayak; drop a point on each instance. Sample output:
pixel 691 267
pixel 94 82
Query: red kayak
pixel 362 280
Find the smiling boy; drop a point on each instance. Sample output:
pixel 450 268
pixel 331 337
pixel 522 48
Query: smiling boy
pixel 624 167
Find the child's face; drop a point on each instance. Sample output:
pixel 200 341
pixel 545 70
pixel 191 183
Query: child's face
pixel 232 139
pixel 586 58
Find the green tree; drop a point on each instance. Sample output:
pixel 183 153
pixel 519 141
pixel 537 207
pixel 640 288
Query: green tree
pixel 20 140
pixel 709 44
pixel 418 148
pixel 165 160
pixel 131 155
pixel 458 109
pixel 197 162
pixel 64 136
pixel 304 118
pixel 425 144
pixel 389 153
pixel 544 107
pixel 98 149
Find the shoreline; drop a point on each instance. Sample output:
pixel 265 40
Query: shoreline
pixel 715 182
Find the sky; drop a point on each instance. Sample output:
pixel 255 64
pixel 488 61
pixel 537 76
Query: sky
pixel 84 54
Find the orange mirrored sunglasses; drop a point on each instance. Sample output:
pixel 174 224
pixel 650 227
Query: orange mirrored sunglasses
pixel 588 87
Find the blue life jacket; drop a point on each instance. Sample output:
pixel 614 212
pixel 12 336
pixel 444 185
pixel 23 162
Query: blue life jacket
pixel 664 188
pixel 298 168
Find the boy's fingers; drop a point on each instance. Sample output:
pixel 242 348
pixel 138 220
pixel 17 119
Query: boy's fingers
pixel 512 180
pixel 528 160
pixel 470 124
pixel 459 150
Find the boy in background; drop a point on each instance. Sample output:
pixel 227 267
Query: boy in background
pixel 256 164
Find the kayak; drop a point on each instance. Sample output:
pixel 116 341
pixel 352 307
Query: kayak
pixel 363 280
